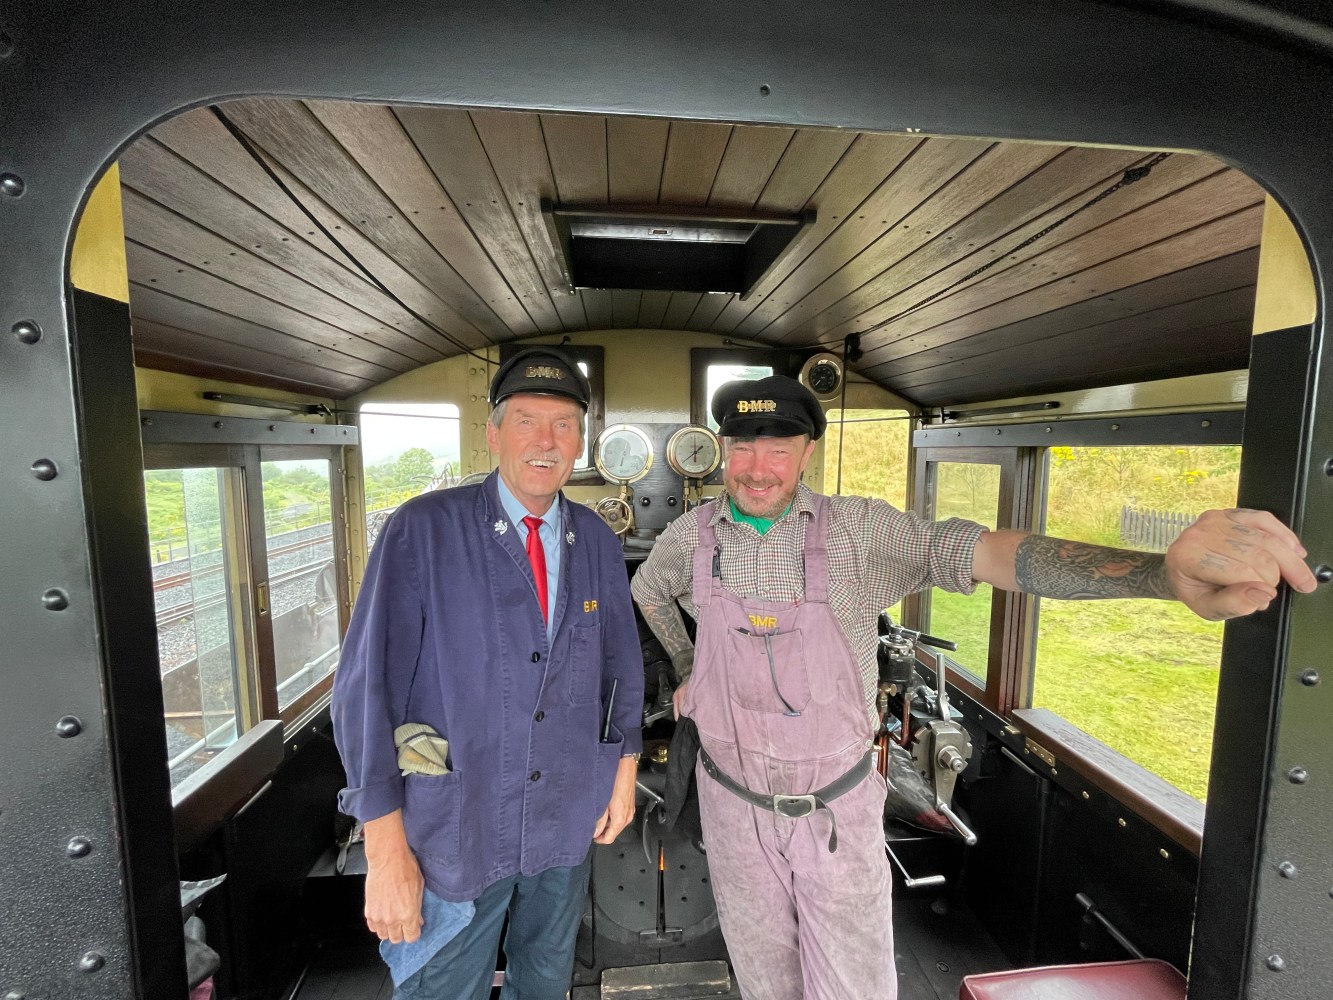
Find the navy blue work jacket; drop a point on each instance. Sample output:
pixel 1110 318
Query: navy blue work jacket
pixel 447 632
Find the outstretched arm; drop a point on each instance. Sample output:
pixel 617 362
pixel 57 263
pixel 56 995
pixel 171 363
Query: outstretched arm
pixel 1227 564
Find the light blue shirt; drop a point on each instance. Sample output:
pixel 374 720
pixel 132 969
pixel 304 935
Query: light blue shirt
pixel 550 536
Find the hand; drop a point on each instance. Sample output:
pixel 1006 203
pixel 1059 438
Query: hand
pixel 1229 563
pixel 393 881
pixel 677 698
pixel 620 811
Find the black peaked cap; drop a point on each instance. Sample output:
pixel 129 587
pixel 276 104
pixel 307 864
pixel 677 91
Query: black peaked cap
pixel 541 370
pixel 776 406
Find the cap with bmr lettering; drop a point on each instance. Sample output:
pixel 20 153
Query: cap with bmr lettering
pixel 776 406
pixel 540 370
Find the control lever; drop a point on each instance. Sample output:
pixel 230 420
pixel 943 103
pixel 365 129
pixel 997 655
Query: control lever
pixel 897 666
pixel 942 748
pixel 969 838
pixel 653 797
pixel 908 881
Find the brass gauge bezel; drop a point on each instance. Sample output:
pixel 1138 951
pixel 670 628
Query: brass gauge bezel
pixel 686 431
pixel 618 432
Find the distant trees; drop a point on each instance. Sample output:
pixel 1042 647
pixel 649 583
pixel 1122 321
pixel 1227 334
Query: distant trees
pixel 873 456
pixel 390 483
pixel 415 463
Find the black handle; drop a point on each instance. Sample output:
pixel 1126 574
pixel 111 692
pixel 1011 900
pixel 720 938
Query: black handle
pixel 930 640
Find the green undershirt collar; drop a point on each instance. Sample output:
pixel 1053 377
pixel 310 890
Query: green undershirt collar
pixel 759 524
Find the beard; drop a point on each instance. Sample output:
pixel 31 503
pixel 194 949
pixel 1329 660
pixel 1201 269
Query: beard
pixel 768 508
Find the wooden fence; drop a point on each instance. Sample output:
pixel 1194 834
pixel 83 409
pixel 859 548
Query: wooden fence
pixel 1153 530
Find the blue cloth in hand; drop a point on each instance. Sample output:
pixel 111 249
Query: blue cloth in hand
pixel 441 921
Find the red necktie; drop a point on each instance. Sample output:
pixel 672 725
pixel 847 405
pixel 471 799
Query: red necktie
pixel 537 558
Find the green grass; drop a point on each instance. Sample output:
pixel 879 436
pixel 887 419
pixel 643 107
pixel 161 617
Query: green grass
pixel 1141 676
pixel 966 621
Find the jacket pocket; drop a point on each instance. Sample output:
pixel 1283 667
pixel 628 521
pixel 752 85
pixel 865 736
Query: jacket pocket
pixel 767 673
pixel 585 664
pixel 431 807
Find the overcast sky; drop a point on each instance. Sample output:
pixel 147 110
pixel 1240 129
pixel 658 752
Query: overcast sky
pixel 433 426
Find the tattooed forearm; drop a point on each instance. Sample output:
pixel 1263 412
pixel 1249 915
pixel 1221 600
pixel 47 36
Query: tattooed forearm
pixel 1053 567
pixel 669 627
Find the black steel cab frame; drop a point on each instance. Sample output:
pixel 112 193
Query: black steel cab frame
pixel 88 872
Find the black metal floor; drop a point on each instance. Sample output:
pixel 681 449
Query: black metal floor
pixel 934 949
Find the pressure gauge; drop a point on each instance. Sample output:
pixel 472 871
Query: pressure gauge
pixel 822 375
pixel 694 452
pixel 623 454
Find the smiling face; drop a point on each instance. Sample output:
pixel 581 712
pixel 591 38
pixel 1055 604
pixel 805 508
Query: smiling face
pixel 762 474
pixel 536 444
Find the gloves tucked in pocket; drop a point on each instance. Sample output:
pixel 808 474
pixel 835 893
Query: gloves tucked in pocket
pixel 421 750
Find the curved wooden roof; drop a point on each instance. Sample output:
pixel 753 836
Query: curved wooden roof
pixel 230 278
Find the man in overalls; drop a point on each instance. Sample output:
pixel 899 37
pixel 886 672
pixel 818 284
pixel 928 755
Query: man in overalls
pixel 786 587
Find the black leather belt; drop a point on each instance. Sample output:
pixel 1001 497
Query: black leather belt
pixel 796 806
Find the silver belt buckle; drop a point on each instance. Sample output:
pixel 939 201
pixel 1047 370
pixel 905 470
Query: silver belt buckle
pixel 795 806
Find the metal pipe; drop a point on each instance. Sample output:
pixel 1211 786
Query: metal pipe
pixel 1090 910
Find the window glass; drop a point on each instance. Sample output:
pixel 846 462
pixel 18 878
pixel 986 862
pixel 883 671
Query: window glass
pixel 1141 676
pixel 406 449
pixel 865 454
pixel 970 490
pixel 303 586
pixel 584 460
pixel 197 598
pixel 720 374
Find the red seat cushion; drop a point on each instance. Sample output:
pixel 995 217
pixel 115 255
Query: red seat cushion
pixel 1139 979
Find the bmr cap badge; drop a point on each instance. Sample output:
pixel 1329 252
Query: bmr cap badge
pixel 756 406
pixel 544 371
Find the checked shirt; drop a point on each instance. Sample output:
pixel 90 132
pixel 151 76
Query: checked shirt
pixel 877 555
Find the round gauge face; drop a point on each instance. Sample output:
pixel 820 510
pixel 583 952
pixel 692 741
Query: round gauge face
pixel 694 452
pixel 823 378
pixel 823 375
pixel 623 453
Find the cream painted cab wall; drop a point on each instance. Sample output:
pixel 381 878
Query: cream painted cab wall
pixel 647 380
pixel 1285 296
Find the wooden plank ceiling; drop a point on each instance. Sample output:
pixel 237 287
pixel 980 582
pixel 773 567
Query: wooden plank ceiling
pixel 230 278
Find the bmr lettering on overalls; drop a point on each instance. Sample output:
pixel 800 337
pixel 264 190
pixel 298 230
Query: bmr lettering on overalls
pixel 776 694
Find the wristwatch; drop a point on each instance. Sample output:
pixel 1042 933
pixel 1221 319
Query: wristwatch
pixel 636 756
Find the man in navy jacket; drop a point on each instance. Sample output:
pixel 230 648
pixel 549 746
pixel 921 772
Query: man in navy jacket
pixel 473 706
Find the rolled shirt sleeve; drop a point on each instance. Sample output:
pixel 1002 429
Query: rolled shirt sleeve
pixel 379 658
pixel 905 553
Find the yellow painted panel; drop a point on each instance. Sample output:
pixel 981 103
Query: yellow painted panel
pixel 1285 295
pixel 98 262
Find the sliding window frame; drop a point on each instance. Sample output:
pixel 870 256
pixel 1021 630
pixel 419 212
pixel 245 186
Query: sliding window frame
pixel 1012 615
pixel 245 625
pixel 308 700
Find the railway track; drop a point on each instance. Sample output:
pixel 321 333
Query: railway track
pixel 187 609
